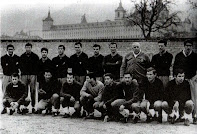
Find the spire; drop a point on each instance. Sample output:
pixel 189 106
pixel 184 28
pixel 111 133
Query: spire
pixel 49 16
pixel 120 6
pixel 83 19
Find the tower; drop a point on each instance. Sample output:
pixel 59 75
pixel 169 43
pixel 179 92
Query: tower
pixel 83 19
pixel 119 12
pixel 47 23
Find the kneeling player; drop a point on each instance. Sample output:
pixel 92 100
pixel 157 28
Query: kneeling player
pixel 15 96
pixel 70 95
pixel 110 93
pixel 48 94
pixel 152 89
pixel 178 98
pixel 90 93
pixel 130 99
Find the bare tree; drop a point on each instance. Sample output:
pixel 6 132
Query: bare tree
pixel 193 4
pixel 152 16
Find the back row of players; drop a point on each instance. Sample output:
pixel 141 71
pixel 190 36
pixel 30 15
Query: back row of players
pixel 131 86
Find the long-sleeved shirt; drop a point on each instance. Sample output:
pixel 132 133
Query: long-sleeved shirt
pixel 29 64
pixel 111 64
pixel 61 65
pixel 131 92
pixel 50 87
pixel 188 64
pixel 95 91
pixel 10 64
pixel 79 64
pixel 162 63
pixel 153 91
pixel 16 92
pixel 111 92
pixel 71 90
pixel 180 93
pixel 96 65
pixel 135 65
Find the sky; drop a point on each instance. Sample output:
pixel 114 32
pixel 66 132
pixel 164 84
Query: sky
pixel 27 15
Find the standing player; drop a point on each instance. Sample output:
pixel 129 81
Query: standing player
pixel 61 63
pixel 10 65
pixel 95 63
pixel 162 62
pixel 29 71
pixel 112 62
pixel 79 63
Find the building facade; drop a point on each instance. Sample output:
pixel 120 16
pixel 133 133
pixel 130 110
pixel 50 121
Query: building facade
pixel 96 30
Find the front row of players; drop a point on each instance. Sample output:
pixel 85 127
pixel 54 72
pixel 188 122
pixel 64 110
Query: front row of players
pixel 115 101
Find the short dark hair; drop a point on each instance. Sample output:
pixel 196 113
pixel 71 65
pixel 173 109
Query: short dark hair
pixel 178 71
pixel 44 49
pixel 10 45
pixel 163 41
pixel 110 75
pixel 97 45
pixel 113 43
pixel 28 44
pixel 128 73
pixel 151 69
pixel 15 75
pixel 78 43
pixel 188 41
pixel 62 46
pixel 70 74
pixel 48 71
pixel 91 75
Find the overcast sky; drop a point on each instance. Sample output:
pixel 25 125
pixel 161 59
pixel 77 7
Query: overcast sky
pixel 17 15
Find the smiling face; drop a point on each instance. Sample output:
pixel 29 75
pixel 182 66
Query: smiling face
pixel 113 48
pixel 10 50
pixel 47 76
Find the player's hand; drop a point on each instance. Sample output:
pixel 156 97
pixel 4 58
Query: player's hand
pixel 16 105
pixel 176 106
pixel 12 104
pixel 72 99
pixel 121 107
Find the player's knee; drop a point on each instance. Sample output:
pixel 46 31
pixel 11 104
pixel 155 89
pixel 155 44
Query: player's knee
pixel 189 106
pixel 164 104
pixel 55 96
pixel 158 105
pixel 96 105
pixel 143 106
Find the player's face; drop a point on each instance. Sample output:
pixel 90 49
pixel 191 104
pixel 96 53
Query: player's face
pixel 60 50
pixel 10 50
pixel 108 80
pixel 47 76
pixel 136 49
pixel 127 79
pixel 15 80
pixel 188 47
pixel 151 76
pixel 96 50
pixel 161 47
pixel 70 79
pixel 78 48
pixel 179 78
pixel 87 78
pixel 113 48
pixel 28 49
pixel 44 54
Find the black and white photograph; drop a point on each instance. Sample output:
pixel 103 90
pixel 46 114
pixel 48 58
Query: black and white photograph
pixel 98 67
